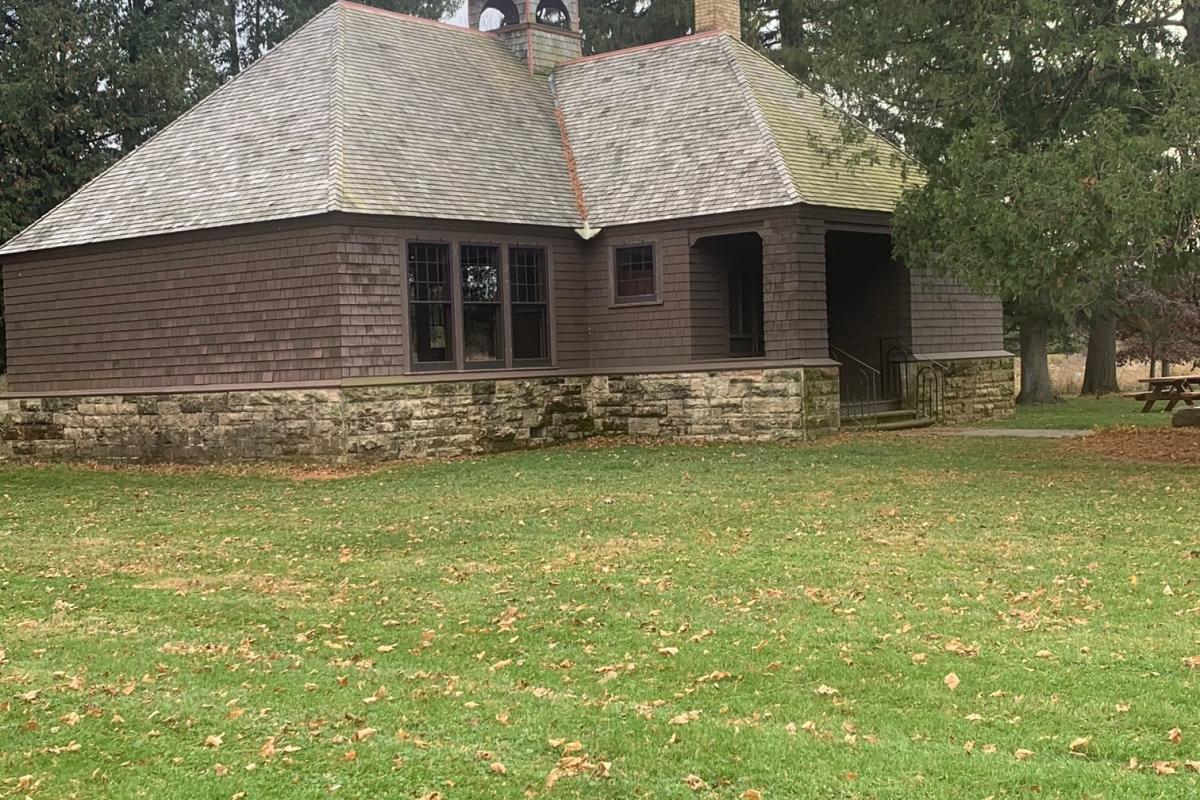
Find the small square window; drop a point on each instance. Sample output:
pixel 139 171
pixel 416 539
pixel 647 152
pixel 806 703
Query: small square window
pixel 634 279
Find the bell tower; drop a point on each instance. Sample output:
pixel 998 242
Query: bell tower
pixel 542 33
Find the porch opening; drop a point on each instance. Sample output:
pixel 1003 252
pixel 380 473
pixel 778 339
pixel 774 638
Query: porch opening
pixel 869 310
pixel 727 297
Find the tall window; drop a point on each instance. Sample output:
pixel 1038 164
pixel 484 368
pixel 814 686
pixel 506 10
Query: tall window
pixel 431 304
pixel 482 329
pixel 530 304
pixel 634 279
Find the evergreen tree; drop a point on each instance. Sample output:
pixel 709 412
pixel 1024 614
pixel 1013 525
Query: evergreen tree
pixel 1052 135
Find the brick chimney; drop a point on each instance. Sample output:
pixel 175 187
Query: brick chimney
pixel 719 15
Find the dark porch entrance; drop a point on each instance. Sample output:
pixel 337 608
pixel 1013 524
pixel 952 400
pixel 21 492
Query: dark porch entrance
pixel 727 296
pixel 869 308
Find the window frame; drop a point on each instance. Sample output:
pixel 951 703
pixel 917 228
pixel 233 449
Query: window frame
pixel 409 302
pixel 457 330
pixel 547 273
pixel 634 301
pixel 501 301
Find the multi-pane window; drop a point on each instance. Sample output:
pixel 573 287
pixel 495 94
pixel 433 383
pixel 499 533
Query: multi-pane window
pixel 634 274
pixel 431 303
pixel 482 310
pixel 530 304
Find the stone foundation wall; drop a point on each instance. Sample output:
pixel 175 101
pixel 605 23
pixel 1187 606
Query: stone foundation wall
pixel 976 389
pixel 367 423
pixel 758 405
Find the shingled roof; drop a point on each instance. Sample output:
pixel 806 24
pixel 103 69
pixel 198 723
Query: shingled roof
pixel 706 125
pixel 359 111
pixel 373 112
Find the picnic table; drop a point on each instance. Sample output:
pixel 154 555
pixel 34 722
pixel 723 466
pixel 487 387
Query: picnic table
pixel 1173 389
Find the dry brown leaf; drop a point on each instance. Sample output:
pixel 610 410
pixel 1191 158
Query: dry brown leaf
pixel 362 734
pixel 1174 736
pixel 752 794
pixel 1023 755
pixel 1164 768
pixel 668 651
pixel 685 718
pixel 214 741
pixel 496 768
pixel 1080 745
pixel 695 783
pixel 951 680
pixel 827 691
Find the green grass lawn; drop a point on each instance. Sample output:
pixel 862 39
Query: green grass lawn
pixel 1084 413
pixel 630 622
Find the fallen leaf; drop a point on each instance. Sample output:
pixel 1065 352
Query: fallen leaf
pixel 752 794
pixel 1023 754
pixel 214 741
pixel 496 768
pixel 685 718
pixel 827 691
pixel 1174 736
pixel 362 734
pixel 1079 746
pixel 1164 768
pixel 951 680
pixel 695 783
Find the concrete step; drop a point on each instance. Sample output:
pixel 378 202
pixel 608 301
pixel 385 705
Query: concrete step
pixel 905 424
pixel 891 419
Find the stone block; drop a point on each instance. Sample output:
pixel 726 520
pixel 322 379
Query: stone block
pixel 1186 417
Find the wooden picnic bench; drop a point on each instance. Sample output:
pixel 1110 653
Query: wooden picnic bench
pixel 1172 389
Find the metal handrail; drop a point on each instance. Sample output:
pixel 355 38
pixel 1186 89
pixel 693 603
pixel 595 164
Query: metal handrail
pixel 928 383
pixel 838 353
pixel 860 401
pixel 898 344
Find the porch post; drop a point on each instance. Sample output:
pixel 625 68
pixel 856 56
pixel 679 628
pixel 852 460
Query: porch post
pixel 794 319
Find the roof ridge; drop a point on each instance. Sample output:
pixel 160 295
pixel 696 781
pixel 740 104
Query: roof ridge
pixel 7 246
pixel 637 48
pixel 825 101
pixel 337 117
pixel 353 5
pixel 760 121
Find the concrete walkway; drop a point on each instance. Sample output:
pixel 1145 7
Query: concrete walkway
pixel 1014 433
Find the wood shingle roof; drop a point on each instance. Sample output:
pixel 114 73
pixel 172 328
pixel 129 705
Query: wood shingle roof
pixel 373 112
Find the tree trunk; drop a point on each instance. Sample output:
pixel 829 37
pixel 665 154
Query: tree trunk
pixel 1191 24
pixel 1035 363
pixel 234 55
pixel 1100 371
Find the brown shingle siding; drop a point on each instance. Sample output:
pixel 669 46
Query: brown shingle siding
pixel 949 318
pixel 245 305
